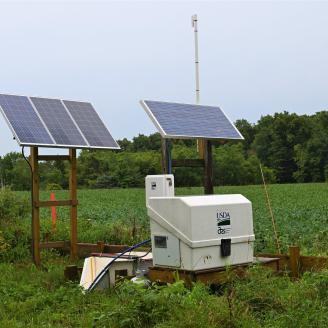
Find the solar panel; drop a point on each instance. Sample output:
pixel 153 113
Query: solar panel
pixel 58 122
pixel 174 120
pixel 48 122
pixel 23 121
pixel 90 124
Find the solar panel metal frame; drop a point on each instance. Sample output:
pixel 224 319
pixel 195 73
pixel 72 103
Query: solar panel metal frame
pixel 178 136
pixel 54 145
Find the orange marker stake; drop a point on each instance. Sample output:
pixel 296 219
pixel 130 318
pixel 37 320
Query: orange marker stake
pixel 53 212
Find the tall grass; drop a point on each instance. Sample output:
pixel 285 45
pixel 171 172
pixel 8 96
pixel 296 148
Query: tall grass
pixel 42 298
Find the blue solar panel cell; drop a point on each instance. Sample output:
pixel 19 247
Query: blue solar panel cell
pixel 90 124
pixel 58 122
pixel 176 120
pixel 23 120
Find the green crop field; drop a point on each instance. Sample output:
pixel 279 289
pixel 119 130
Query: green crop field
pixel 300 210
pixel 42 298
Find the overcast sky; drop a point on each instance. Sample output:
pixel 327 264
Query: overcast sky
pixel 256 58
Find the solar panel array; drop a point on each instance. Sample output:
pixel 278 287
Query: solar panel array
pixel 48 122
pixel 174 120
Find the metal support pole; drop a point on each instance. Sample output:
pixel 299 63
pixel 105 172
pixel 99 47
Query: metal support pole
pixel 195 26
pixel 194 23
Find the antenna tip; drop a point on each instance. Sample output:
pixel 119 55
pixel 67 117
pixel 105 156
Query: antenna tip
pixel 193 20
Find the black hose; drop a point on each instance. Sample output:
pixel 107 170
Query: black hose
pixel 105 269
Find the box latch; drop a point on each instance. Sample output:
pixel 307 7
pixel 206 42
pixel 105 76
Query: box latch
pixel 225 247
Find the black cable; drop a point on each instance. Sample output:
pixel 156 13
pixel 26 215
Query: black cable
pixel 27 161
pixel 105 269
pixel 140 257
pixel 129 256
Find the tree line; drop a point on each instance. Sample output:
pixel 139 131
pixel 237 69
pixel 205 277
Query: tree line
pixel 290 147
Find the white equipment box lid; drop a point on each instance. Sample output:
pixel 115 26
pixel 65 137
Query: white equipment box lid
pixel 204 220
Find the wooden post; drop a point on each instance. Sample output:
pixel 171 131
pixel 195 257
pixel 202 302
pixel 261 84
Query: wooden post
pixel 101 246
pixel 71 272
pixel 208 169
pixel 35 209
pixel 294 260
pixel 73 198
pixel 165 157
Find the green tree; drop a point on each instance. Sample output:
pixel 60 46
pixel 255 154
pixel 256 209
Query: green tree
pixel 312 156
pixel 275 141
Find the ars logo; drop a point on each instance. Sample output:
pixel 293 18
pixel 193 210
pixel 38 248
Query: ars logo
pixel 223 222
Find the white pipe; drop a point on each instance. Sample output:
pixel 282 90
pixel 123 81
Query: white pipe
pixel 195 26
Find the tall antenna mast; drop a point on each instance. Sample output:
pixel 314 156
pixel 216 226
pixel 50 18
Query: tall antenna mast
pixel 194 24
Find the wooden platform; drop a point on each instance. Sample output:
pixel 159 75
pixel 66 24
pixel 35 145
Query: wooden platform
pixel 292 263
pixel 208 276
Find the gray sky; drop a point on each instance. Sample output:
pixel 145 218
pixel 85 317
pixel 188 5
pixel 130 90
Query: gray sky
pixel 255 57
